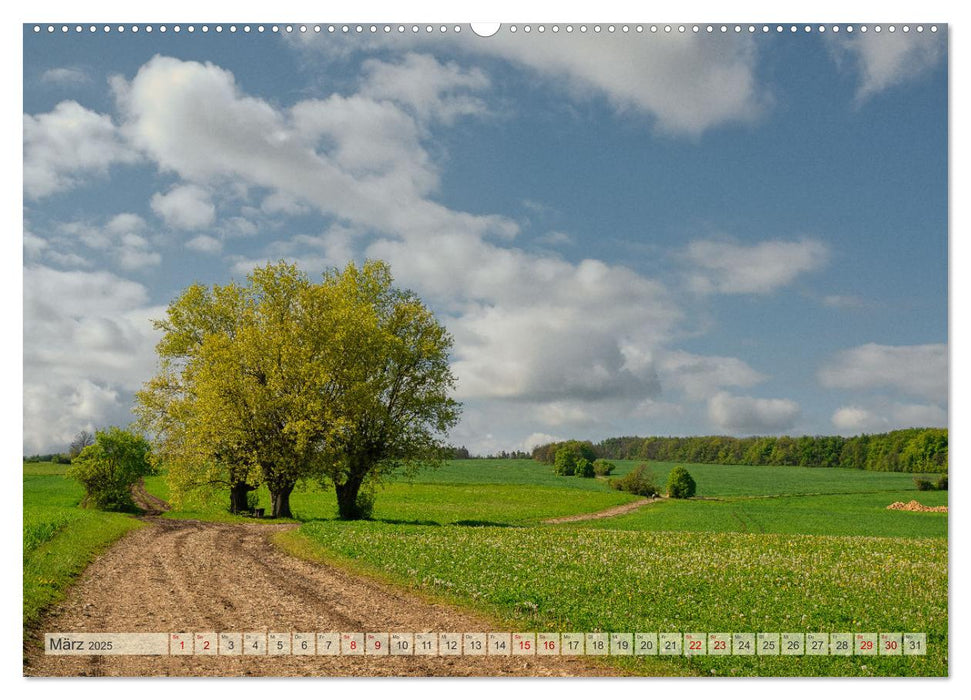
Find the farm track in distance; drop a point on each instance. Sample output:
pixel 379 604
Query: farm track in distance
pixel 184 575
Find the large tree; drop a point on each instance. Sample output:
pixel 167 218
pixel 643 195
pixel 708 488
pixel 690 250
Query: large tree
pixel 392 382
pixel 282 379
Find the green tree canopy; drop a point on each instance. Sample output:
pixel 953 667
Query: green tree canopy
pixel 282 380
pixel 110 466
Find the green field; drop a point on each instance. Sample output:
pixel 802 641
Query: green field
pixel 60 539
pixel 763 549
pixel 576 579
pixel 783 549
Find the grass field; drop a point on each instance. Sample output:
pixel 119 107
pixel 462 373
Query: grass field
pixel 578 579
pixel 60 538
pixel 762 550
pixel 783 549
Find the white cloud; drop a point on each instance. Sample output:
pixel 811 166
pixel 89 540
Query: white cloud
pixel 88 344
pixel 185 207
pixel 121 239
pixel 914 370
pixel 752 416
pixel 63 146
pixel 856 420
pixel 912 415
pixel 883 416
pixel 433 90
pixel 531 327
pixel 734 268
pixel 526 326
pixel 699 377
pixel 68 75
pixel 205 244
pixel 688 84
pixel 353 157
pixel 885 60
pixel 536 439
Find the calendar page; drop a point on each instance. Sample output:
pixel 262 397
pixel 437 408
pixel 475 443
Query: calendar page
pixel 520 349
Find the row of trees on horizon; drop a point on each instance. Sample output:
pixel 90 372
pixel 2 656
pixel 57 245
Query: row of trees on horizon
pixel 916 450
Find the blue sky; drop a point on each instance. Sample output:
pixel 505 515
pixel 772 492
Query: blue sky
pixel 625 233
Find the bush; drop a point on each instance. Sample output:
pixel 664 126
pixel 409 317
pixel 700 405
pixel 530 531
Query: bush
pixel 680 483
pixel 602 467
pixel 565 462
pixel 584 469
pixel 942 482
pixel 923 484
pixel 108 468
pixel 61 459
pixel 639 481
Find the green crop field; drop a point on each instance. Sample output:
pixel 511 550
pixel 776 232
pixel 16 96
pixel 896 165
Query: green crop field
pixel 774 549
pixel 578 579
pixel 777 549
pixel 60 538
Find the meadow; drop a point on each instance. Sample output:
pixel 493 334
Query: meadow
pixel 60 539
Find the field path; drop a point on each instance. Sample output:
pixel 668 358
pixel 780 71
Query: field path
pixel 608 513
pixel 186 576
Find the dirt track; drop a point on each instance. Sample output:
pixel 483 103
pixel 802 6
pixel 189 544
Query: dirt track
pixel 186 576
pixel 608 513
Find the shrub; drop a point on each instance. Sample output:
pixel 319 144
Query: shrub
pixel 680 483
pixel 108 468
pixel 61 459
pixel 923 484
pixel 565 462
pixel 584 468
pixel 638 481
pixel 942 482
pixel 602 467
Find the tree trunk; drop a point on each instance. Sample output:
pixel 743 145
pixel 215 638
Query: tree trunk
pixel 347 499
pixel 280 500
pixel 237 497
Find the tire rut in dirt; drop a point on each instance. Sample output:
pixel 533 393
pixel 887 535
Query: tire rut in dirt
pixel 190 576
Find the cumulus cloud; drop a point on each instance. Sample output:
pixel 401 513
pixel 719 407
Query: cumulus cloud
pixel 88 345
pixel 357 158
pixel 727 267
pixel 527 327
pixel 752 416
pixel 205 244
pixel 882 61
pixel 688 84
pixel 434 91
pixel 698 377
pixel 122 239
pixel 537 439
pixel 185 207
pixel 67 144
pixel 914 370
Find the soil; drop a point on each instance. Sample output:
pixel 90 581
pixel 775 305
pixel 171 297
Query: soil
pixel 190 576
pixel 608 513
pixel 916 507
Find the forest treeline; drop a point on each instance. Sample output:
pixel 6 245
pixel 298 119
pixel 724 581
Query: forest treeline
pixel 917 450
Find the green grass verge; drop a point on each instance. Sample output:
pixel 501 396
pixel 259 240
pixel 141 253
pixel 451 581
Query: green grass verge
pixel 579 579
pixel 59 538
